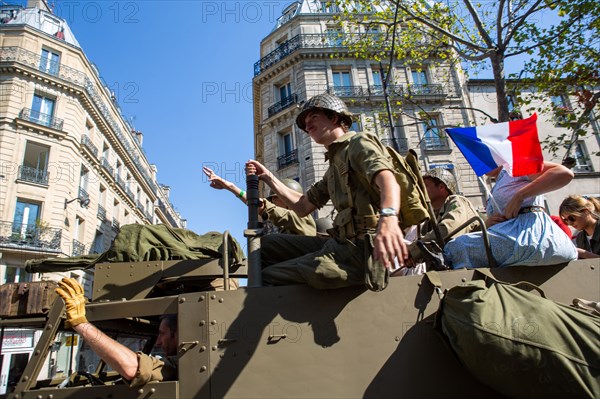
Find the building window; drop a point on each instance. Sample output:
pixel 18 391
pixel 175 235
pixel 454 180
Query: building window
pixel 83 183
pixel 284 91
pixel 342 84
pixel 558 101
pixel 433 138
pixel 15 274
pixel 335 37
pixel 582 159
pixel 98 245
pixel 35 163
pixel 42 110
pixel 288 154
pixel 329 7
pixel 49 62
pixel 27 214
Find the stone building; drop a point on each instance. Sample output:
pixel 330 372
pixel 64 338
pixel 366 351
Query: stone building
pixel 72 169
pixel 306 54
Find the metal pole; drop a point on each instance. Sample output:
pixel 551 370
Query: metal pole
pixel 253 232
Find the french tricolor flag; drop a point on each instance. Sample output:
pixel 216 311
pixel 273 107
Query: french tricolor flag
pixel 514 144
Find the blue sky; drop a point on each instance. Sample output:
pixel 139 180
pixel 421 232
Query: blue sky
pixel 183 70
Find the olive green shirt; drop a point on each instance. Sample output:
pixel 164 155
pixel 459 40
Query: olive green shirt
pixel 455 211
pixel 365 156
pixel 288 221
pixel 151 368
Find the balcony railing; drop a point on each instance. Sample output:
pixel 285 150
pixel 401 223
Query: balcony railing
pixel 34 175
pixel 116 225
pixel 426 90
pixel 106 165
pixel 392 90
pixel 287 159
pixel 87 143
pixel 347 91
pixel 78 248
pixel 283 104
pixel 41 119
pixel 30 236
pixel 101 213
pixel 331 40
pixel 399 144
pixel 83 194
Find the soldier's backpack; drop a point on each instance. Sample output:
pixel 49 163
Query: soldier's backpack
pixel 520 343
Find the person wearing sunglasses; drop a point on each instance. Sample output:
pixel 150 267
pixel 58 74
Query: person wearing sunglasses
pixel 583 214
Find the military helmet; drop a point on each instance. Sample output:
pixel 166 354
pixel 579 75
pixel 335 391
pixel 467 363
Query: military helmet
pixel 445 176
pixel 324 224
pixel 291 184
pixel 325 101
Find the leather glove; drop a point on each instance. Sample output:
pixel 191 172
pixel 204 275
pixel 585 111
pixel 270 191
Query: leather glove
pixel 72 293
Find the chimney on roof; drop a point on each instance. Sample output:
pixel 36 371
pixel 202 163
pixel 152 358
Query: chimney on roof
pixel 139 136
pixel 41 4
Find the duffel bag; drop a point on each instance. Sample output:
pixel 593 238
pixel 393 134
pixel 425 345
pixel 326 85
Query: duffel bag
pixel 520 343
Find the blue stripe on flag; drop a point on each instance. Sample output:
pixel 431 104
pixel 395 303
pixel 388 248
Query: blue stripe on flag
pixel 474 150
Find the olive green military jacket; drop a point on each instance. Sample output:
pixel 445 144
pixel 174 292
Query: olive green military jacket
pixel 356 161
pixel 455 211
pixel 288 221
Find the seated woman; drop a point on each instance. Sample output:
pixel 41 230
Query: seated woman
pixel 583 214
pixel 520 231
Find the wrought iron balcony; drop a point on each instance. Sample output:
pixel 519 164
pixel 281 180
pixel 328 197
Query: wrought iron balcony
pixel 347 91
pixel 116 226
pixel 399 144
pixel 287 159
pixel 283 104
pixel 78 248
pixel 34 175
pixel 433 144
pixel 107 166
pixel 30 236
pixel 426 90
pixel 41 119
pixel 392 90
pixel 101 213
pixel 323 41
pixel 83 194
pixel 87 143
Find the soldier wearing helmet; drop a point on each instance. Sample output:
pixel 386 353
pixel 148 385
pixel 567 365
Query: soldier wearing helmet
pixel 273 210
pixel 451 209
pixel 366 229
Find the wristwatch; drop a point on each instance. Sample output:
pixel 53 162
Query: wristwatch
pixel 388 212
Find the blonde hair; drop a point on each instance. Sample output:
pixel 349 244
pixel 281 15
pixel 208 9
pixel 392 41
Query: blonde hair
pixel 576 204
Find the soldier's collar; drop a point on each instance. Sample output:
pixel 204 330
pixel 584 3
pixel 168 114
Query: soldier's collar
pixel 340 140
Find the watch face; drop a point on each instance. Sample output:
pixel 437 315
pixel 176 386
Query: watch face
pixel 388 212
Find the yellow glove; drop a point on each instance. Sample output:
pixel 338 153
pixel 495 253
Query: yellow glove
pixel 72 292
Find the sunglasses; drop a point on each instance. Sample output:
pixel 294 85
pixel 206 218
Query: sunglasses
pixel 568 219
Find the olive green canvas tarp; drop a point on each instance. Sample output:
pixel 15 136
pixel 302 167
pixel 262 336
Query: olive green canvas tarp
pixel 139 243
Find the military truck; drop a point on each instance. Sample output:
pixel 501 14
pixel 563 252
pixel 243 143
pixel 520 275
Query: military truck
pixel 275 342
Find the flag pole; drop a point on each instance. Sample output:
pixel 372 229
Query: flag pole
pixel 489 194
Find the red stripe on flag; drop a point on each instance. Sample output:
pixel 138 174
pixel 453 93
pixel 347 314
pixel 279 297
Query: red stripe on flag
pixel 526 148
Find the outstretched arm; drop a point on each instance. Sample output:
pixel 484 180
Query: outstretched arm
pixel 296 201
pixel 117 356
pixel 552 177
pixel 218 183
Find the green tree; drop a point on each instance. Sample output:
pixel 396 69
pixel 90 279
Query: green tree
pixel 558 40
